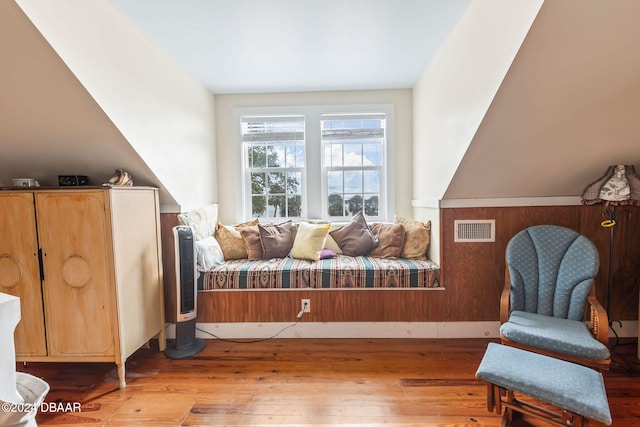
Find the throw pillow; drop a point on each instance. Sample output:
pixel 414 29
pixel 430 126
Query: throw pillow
pixel 309 241
pixel 331 244
pixel 276 239
pixel 356 237
pixel 390 240
pixel 203 221
pixel 416 239
pixel 327 253
pixel 252 243
pixel 208 253
pixel 231 241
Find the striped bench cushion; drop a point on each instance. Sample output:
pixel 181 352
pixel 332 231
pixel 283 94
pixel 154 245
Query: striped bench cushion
pixel 335 273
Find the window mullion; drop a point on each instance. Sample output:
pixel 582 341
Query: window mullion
pixel 294 136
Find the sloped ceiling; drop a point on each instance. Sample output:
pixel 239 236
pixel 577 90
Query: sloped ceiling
pixel 49 124
pixel 567 108
pixel 85 92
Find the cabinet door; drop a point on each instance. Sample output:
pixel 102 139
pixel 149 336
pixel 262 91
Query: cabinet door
pixel 20 270
pixel 78 292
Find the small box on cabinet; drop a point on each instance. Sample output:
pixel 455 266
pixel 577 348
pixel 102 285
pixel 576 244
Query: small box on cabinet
pixel 72 180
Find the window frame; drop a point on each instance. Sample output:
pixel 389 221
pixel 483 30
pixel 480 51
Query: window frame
pixel 314 209
pixel 344 169
pixel 248 168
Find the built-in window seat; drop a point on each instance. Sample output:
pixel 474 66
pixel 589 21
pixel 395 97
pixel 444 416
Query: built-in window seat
pixel 311 255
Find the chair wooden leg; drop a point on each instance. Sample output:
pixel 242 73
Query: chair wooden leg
pixel 505 422
pixel 575 420
pixel 497 391
pixel 508 410
pixel 491 404
pixel 498 397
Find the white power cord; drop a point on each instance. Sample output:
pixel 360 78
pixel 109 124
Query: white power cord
pixel 302 311
pixel 259 339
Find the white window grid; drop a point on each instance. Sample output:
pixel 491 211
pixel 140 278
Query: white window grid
pixel 314 173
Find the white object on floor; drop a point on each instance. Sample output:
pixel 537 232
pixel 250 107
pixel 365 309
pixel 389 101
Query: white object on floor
pixel 9 318
pixel 20 394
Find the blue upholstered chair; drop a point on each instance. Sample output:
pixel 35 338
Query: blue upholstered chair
pixel 548 295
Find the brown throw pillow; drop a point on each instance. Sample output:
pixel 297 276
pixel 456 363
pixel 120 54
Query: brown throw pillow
pixel 276 239
pixel 390 240
pixel 417 238
pixel 356 237
pixel 231 241
pixel 252 244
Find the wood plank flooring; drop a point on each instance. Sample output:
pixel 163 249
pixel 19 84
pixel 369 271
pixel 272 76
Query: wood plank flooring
pixel 300 382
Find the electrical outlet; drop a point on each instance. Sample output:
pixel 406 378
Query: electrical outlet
pixel 305 305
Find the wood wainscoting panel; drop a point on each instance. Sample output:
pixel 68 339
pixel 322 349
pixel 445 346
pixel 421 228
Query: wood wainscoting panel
pixel 472 275
pixel 167 222
pixel 626 257
pixel 336 305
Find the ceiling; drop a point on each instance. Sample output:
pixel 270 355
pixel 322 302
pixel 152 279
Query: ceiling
pixel 258 46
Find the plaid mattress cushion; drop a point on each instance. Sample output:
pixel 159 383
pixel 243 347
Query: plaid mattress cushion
pixel 335 273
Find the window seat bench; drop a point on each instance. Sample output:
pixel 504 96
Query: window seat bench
pixel 341 272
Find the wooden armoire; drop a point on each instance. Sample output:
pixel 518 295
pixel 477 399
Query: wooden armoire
pixel 86 264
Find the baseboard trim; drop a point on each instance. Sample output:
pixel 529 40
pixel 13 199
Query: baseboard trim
pixel 256 330
pixel 251 330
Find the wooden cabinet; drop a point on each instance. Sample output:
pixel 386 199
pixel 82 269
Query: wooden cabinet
pixel 86 264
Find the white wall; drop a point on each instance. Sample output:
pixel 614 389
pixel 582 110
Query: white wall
pixel 165 114
pixel 568 106
pixel 455 91
pixel 453 94
pixel 227 152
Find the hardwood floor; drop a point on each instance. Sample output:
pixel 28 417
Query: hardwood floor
pixel 305 382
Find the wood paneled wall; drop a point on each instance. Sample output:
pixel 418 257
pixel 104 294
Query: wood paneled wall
pixel 167 222
pixel 472 275
pixel 339 305
pixel 626 258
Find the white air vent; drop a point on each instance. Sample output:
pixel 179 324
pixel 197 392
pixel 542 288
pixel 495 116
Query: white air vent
pixel 475 230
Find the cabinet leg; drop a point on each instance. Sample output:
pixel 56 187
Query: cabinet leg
pixel 123 383
pixel 162 339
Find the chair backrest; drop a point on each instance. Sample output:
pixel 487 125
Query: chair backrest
pixel 552 269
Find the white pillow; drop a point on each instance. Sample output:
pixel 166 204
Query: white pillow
pixel 309 241
pixel 208 253
pixel 203 221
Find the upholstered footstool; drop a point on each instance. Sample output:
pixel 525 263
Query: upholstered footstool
pixel 576 390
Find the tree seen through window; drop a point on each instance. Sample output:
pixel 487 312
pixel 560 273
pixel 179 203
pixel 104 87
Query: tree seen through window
pixel 273 194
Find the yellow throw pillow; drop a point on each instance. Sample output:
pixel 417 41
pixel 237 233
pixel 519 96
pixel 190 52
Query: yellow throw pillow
pixel 309 241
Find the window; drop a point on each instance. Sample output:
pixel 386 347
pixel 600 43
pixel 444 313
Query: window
pixel 274 160
pixel 353 148
pixel 324 162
